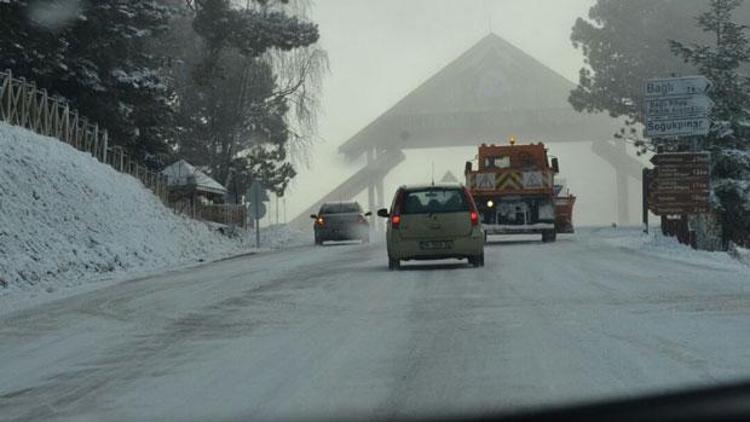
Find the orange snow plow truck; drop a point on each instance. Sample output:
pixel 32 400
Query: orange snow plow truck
pixel 515 191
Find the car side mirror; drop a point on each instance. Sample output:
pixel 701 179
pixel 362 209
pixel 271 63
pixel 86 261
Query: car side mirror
pixel 555 165
pixel 368 213
pixel 313 216
pixel 383 212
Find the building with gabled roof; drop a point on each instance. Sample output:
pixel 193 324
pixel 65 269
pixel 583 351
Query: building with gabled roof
pixel 182 174
pixel 492 91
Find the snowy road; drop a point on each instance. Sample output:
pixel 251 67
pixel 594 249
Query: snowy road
pixel 321 332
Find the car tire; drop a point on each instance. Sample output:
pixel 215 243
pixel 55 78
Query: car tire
pixel 549 236
pixel 394 264
pixel 477 260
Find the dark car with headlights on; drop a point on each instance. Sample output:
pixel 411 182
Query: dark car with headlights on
pixel 338 221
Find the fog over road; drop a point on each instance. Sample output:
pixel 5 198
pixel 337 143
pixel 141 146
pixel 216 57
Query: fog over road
pixel 328 331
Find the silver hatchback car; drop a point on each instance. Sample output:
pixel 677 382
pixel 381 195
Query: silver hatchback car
pixel 433 222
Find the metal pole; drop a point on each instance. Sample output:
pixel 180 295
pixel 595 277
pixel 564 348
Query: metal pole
pixel 257 231
pixel 257 201
pixel 646 181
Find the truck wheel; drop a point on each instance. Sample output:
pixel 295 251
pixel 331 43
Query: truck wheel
pixel 394 264
pixel 549 236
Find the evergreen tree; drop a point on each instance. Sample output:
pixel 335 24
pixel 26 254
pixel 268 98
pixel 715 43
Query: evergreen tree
pixel 729 142
pixel 93 54
pixel 624 43
pixel 233 111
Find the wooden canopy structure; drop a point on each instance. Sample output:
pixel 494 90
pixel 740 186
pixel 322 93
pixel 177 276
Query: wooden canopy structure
pixel 492 91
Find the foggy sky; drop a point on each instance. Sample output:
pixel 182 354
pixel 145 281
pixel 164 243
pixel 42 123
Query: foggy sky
pixel 380 51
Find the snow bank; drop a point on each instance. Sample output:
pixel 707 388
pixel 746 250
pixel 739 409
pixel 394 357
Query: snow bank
pixel 67 219
pixel 282 236
pixel 656 244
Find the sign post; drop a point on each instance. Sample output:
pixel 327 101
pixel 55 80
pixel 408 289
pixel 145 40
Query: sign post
pixel 256 195
pixel 678 108
pixel 646 185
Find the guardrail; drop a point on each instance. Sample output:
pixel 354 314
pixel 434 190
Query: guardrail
pixel 23 104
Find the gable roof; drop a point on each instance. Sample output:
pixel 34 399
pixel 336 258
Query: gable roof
pixel 490 92
pixel 449 177
pixel 182 173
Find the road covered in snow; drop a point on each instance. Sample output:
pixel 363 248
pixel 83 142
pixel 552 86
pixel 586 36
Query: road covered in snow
pixel 319 332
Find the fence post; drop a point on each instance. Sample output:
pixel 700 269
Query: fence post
pixel 57 121
pixel 24 102
pixel 164 188
pixel 42 115
pixel 66 124
pixel 74 130
pixel 105 146
pixel 95 151
pixel 8 94
pixel 38 104
pixel 30 97
pixel 85 135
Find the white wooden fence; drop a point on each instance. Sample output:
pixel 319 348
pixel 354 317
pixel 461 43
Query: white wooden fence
pixel 23 104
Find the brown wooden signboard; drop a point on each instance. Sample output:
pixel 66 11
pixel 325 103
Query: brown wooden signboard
pixel 680 198
pixel 680 184
pixel 679 209
pixel 681 172
pixel 680 158
pixel 675 186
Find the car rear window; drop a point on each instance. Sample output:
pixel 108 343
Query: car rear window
pixel 433 201
pixel 340 208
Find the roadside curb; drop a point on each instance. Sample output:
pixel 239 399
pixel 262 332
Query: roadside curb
pixel 241 255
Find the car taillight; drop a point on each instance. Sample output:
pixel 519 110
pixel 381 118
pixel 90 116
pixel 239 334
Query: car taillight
pixel 395 221
pixel 320 221
pixel 473 215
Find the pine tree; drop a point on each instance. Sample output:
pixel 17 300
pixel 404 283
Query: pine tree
pixel 94 55
pixel 233 111
pixel 729 142
pixel 624 43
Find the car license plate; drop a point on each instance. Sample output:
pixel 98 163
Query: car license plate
pixel 436 244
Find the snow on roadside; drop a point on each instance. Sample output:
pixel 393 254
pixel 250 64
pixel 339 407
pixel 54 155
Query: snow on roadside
pixel 67 220
pixel 656 244
pixel 278 236
pixel 742 254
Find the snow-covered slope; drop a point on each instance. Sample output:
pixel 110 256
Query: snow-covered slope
pixel 66 218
